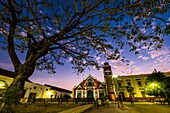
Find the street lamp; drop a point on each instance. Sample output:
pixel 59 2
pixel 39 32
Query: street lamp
pixel 154 84
pixel 154 87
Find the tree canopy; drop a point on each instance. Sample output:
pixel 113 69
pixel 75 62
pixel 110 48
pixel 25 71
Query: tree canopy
pixel 79 30
pixel 157 84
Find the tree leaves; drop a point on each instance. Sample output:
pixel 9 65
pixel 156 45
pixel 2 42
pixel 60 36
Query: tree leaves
pixel 167 30
pixel 156 84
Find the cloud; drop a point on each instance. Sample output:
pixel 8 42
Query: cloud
pixel 142 57
pixel 145 58
pixel 121 68
pixel 160 66
pixel 156 59
pixel 160 60
pixel 144 47
pixel 160 54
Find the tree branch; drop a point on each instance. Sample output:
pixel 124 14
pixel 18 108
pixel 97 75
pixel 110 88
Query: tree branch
pixel 36 20
pixel 11 49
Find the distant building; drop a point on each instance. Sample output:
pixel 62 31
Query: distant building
pixel 57 92
pixel 138 82
pixel 32 90
pixel 89 88
pixel 112 86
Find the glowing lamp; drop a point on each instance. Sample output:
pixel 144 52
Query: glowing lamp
pixel 153 84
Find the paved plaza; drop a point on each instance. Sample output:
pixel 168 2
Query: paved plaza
pixel 141 107
pixel 112 109
pixel 149 107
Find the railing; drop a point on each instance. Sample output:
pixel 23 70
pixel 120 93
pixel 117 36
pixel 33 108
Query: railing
pixel 65 100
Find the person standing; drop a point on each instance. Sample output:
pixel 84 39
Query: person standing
pixel 120 101
pixel 131 100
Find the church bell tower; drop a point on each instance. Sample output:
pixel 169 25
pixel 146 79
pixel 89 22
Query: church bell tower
pixel 108 81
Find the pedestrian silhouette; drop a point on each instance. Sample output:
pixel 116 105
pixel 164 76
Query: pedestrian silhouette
pixel 131 100
pixel 120 101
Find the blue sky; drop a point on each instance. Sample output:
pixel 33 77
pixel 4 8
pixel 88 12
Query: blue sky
pixel 145 62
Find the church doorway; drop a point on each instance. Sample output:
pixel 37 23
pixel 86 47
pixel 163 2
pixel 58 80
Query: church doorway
pixel 79 95
pixel 90 94
pixel 101 95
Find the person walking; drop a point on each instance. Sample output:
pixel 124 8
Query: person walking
pixel 120 101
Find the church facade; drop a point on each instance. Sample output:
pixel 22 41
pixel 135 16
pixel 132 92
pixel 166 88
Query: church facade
pixel 89 88
pixel 93 88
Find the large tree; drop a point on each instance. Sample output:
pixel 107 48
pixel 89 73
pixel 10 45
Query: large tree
pixel 157 84
pixel 76 30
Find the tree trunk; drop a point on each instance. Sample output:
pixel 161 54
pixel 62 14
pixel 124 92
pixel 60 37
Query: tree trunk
pixel 12 96
pixel 13 93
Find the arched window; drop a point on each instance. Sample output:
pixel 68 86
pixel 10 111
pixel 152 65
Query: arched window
pixel 90 83
pixel 79 88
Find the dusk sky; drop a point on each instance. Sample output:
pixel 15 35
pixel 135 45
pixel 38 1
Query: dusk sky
pixel 65 77
pixel 145 62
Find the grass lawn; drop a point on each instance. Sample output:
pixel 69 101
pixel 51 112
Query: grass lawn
pixel 44 108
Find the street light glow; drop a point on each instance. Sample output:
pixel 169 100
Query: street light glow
pixel 153 84
pixel 115 76
pixel 1 84
pixel 49 93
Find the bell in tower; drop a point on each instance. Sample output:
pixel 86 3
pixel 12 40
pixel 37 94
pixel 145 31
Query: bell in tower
pixel 108 81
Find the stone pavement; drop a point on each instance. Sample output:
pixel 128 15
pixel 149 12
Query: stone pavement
pixel 112 109
pixel 79 109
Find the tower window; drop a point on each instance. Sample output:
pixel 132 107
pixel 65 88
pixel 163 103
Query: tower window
pixel 108 73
